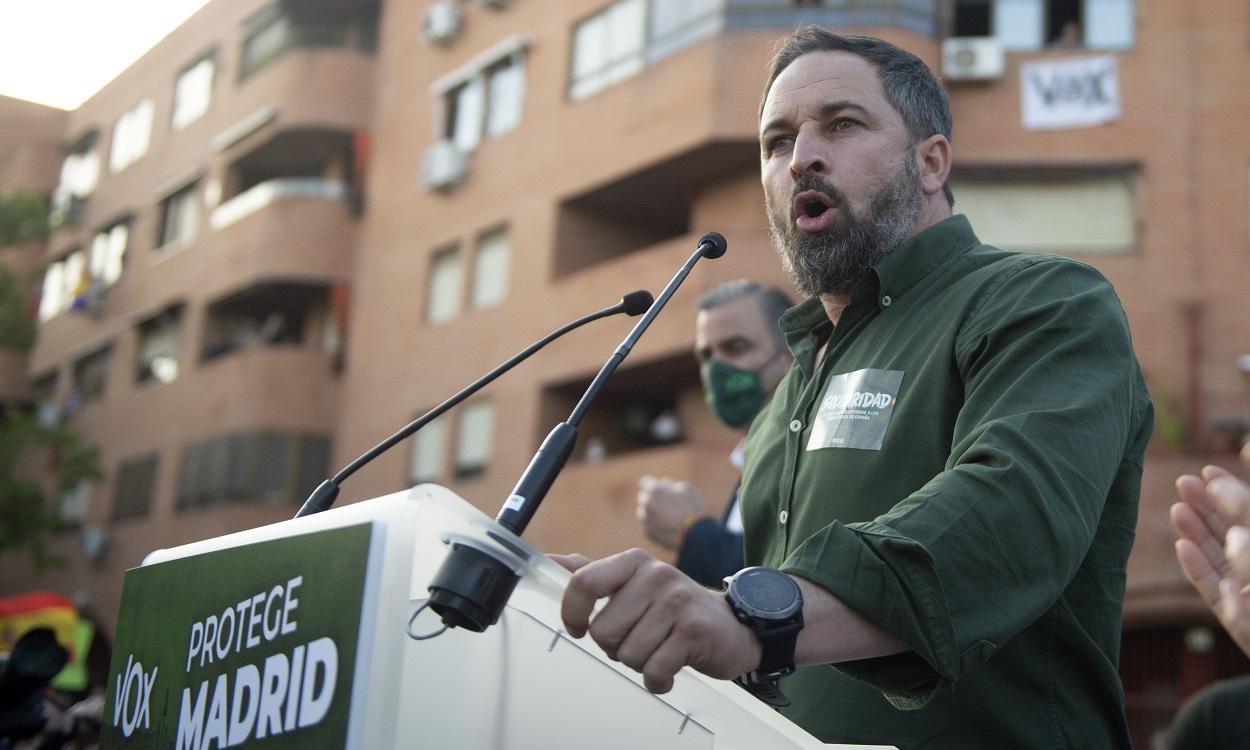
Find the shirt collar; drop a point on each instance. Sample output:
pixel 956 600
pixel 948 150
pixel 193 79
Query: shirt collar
pixel 805 325
pixel 916 257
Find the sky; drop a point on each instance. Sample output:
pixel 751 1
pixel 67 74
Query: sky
pixel 60 52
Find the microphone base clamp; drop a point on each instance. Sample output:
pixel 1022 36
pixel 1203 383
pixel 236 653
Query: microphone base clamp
pixel 473 585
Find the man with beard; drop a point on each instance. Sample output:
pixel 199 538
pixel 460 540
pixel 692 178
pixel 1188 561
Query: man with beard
pixel 941 497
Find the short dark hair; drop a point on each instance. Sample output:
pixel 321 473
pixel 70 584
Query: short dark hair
pixel 772 301
pixel 909 85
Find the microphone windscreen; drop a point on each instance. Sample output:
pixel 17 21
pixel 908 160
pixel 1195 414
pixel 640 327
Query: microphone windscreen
pixel 713 245
pixel 637 303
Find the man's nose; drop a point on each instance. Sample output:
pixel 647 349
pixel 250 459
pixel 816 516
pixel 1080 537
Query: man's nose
pixel 807 158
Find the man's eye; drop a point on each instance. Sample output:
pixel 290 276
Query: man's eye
pixel 844 124
pixel 778 143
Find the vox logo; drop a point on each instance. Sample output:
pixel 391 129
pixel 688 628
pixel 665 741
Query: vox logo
pixel 132 697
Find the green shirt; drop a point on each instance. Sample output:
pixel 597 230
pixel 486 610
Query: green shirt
pixel 962 468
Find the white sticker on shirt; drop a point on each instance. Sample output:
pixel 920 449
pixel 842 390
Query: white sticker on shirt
pixel 856 409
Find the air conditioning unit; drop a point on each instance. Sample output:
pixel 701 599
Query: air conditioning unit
pixel 95 543
pixel 73 506
pixel 443 22
pixel 443 167
pixel 972 58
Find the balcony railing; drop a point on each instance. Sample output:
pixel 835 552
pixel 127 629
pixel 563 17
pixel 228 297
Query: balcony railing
pixel 271 191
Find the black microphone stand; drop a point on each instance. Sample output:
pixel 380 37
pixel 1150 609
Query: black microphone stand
pixel 473 584
pixel 324 496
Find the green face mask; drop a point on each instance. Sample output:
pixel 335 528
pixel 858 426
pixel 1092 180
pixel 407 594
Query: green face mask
pixel 734 395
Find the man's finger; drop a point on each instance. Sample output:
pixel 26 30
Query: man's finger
pixel 571 563
pixel 593 582
pixel 1194 527
pixel 1193 493
pixel 1237 551
pixel 1234 612
pixel 1211 472
pixel 1199 571
pixel 637 613
pixel 1232 499
pixel 658 672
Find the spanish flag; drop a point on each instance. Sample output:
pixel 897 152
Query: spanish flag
pixel 39 609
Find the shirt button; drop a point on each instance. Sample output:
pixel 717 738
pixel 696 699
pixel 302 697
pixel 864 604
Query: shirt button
pixel 886 301
pixel 783 516
pixel 795 425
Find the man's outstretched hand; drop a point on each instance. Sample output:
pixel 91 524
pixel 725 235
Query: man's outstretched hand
pixel 1214 545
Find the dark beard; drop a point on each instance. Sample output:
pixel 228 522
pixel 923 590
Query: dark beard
pixel 834 261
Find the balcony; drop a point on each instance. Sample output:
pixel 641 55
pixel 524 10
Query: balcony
pixel 644 208
pixel 306 88
pixel 285 228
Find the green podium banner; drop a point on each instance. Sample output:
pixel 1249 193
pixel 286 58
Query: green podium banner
pixel 253 646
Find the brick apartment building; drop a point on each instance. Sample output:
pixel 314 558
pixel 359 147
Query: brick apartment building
pixel 311 222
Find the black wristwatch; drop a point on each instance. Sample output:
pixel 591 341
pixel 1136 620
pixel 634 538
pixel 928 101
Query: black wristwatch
pixel 771 604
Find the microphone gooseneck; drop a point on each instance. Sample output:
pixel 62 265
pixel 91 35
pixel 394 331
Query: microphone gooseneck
pixel 473 585
pixel 532 487
pixel 322 498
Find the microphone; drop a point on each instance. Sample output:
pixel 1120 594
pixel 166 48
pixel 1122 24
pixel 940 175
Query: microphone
pixel 472 586
pixel 632 304
pixel 713 245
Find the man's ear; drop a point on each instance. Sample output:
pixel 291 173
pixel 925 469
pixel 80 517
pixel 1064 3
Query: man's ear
pixel 934 157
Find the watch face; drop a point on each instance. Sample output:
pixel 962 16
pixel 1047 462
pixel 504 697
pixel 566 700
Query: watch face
pixel 766 593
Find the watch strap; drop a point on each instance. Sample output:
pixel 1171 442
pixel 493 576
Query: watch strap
pixel 764 688
pixel 778 641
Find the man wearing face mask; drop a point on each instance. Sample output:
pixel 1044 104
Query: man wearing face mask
pixel 743 357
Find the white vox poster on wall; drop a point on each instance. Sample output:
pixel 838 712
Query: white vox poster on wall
pixel 1072 93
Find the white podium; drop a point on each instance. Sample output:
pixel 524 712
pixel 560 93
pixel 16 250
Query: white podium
pixel 265 662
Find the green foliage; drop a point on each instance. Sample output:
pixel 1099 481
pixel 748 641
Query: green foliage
pixel 23 217
pixel 27 450
pixel 17 330
pixel 1170 423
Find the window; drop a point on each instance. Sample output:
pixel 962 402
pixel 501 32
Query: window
pixel 193 91
pixel 90 378
pixel 108 253
pixel 677 25
pixel 465 104
pixel 179 217
pixel 1018 212
pixel 428 452
pixel 1025 25
pixel 66 286
pixel 265 37
pixel 607 47
pixel 505 84
pixel 490 270
pixel 444 289
pixel 132 496
pixel 485 99
pixel 43 395
pixel 158 347
pixel 79 173
pixel 52 300
pixel 620 40
pixel 474 439
pixel 287 25
pixel 264 466
pixel 130 136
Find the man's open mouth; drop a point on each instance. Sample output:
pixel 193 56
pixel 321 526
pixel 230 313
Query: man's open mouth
pixel 812 204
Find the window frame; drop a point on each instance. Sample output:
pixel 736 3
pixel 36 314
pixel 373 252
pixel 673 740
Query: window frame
pixel 209 57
